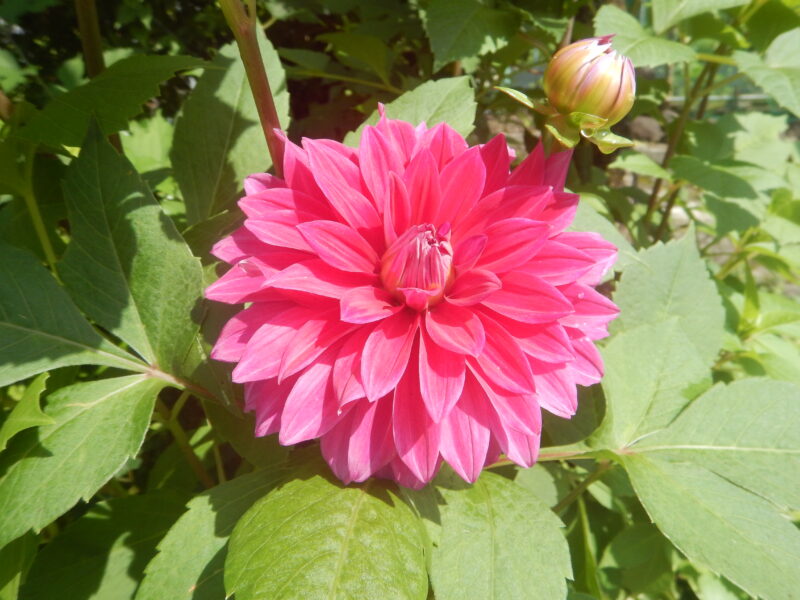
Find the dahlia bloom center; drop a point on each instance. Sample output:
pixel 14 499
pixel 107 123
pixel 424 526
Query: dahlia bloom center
pixel 418 267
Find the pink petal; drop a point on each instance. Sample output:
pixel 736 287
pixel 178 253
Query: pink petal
pixel 556 167
pixel 261 206
pixel 239 329
pixel 472 287
pixel 311 408
pixel 397 471
pixel 280 229
pixel 444 142
pixel 462 184
pixel 603 253
pixel 262 355
pixel 505 203
pixel 378 159
pixel 519 447
pixel 400 135
pixel 531 170
pixel 441 377
pixel 347 368
pixel 587 368
pixel 339 179
pixel 367 304
pixel 386 353
pixel 592 309
pixel 340 246
pixel 547 342
pixel 559 213
pixel 361 443
pixel 558 263
pixel 397 215
pixel 313 338
pixel 496 157
pixel 261 182
pixel 518 411
pixel 502 360
pixel 266 398
pixel 455 328
pixel 237 286
pixel 317 277
pixel 512 242
pixel 416 435
pixel 465 433
pixel 528 299
pixel 422 182
pixel 240 244
pixel 468 251
pixel 555 388
pixel 297 170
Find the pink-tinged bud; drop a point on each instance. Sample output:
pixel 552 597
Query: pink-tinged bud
pixel 590 77
pixel 418 267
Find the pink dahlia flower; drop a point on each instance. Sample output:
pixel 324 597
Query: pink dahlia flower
pixel 412 301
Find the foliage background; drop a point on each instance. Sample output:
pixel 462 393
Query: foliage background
pixel 127 469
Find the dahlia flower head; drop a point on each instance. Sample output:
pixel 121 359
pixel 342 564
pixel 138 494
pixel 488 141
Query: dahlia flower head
pixel 412 301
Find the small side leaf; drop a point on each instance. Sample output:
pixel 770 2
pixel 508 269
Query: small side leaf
pixel 26 413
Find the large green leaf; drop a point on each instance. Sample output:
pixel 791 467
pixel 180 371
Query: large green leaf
pixel 745 432
pixel 102 555
pixel 98 426
pixel 205 527
pixel 113 97
pixel 647 371
pixel 450 101
pixel 667 13
pixel 15 560
pixel 127 267
pixel 635 42
pixel 218 138
pixel 460 29
pixel 497 541
pixel 672 281
pixel 314 538
pixel 40 327
pixel 717 523
pixel 26 413
pixel 778 72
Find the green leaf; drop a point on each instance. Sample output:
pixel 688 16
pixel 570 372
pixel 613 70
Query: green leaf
pixel 460 29
pixel 641 164
pixel 745 432
pixel 40 327
pixel 114 96
pixel 450 101
pixel 497 541
pixel 205 527
pixel 364 51
pixel 647 370
pixel 15 560
pixel 218 136
pixel 360 541
pixel 667 13
pixel 638 560
pixel 717 523
pixel 516 95
pixel 127 267
pixel 102 555
pixel 672 281
pixel 714 178
pixel 778 73
pixel 147 143
pixel 26 413
pixel 98 426
pixel 638 44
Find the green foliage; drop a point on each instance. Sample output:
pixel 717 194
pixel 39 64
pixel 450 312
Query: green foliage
pixel 128 468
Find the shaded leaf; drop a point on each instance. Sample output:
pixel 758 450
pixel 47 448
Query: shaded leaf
pixel 667 13
pixel 40 328
pixel 114 96
pixel 15 560
pixel 127 266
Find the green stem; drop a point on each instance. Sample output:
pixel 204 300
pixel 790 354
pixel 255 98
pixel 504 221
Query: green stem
pixel 92 45
pixel 662 226
pixel 716 59
pixel 243 24
pixel 601 470
pixel 36 215
pixel 179 435
pixel 721 83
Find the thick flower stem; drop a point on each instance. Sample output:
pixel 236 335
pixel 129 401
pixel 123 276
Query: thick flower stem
pixel 242 22
pixel 179 435
pixel 601 470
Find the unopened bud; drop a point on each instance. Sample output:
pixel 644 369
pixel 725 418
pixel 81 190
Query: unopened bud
pixel 591 78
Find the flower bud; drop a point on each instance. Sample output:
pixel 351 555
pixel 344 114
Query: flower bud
pixel 591 78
